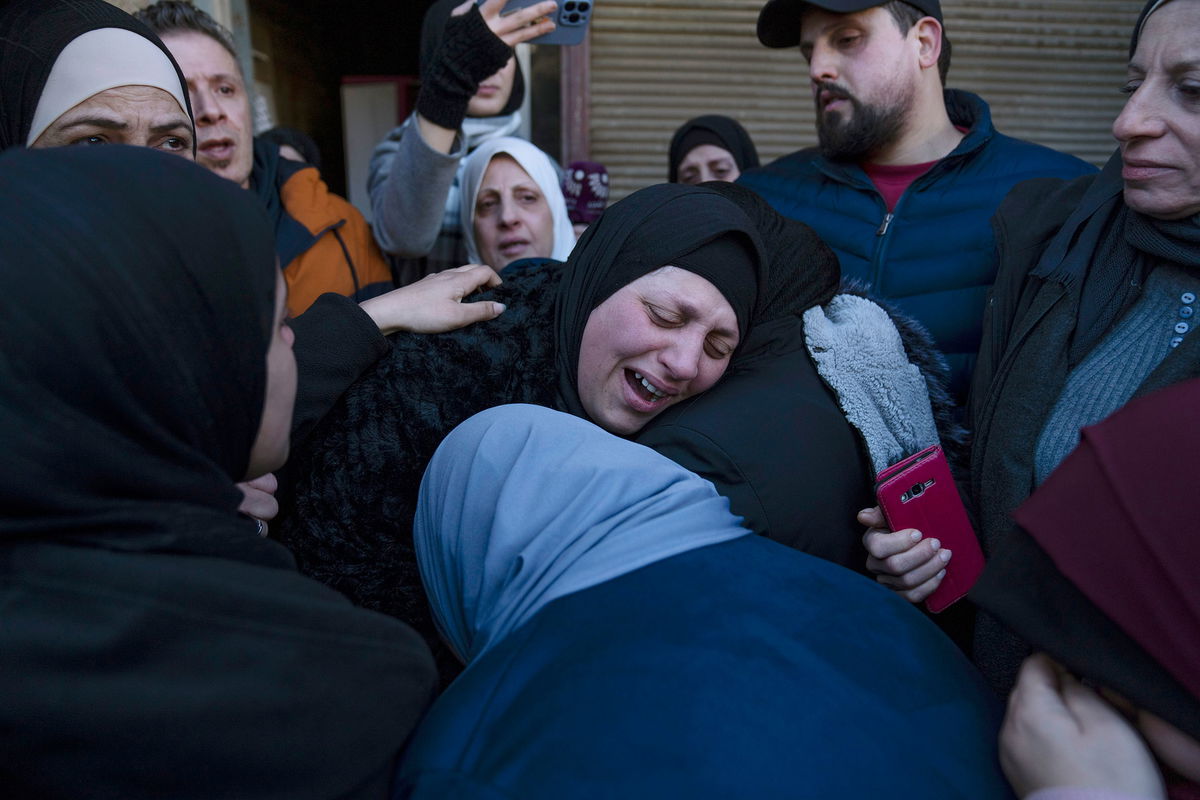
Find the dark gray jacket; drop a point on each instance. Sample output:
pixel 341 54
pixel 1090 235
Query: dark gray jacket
pixel 1023 367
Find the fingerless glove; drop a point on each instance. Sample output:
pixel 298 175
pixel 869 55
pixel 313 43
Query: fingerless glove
pixel 469 53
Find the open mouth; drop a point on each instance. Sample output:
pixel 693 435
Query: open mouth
pixel 644 389
pixel 829 101
pixel 829 96
pixel 513 247
pixel 217 149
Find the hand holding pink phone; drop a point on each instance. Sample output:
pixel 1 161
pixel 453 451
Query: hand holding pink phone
pixel 919 492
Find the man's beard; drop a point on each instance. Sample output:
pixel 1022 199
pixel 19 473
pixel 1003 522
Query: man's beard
pixel 869 129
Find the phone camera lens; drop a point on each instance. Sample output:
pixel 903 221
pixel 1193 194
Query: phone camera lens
pixel 570 6
pixel 573 18
pixel 917 490
pixel 583 7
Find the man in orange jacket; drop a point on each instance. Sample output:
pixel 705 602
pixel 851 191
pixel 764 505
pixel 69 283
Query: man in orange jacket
pixel 323 243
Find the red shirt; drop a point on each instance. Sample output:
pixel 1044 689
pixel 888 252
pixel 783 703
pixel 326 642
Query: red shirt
pixel 891 180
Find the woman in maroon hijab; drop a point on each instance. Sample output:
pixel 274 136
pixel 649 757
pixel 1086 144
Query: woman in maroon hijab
pixel 1102 580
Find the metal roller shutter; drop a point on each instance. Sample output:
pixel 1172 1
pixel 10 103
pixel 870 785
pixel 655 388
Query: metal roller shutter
pixel 1050 71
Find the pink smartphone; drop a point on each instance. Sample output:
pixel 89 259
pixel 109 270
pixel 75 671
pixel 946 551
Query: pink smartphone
pixel 919 492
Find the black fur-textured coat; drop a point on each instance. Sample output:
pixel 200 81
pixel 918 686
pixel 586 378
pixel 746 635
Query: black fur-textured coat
pixel 352 531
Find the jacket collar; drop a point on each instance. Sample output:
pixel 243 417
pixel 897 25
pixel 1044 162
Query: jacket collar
pixel 970 111
pixel 966 110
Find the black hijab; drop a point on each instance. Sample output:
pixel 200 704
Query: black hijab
pixel 804 271
pixel 713 129
pixel 685 226
pixel 1149 8
pixel 136 302
pixel 432 29
pixel 32 34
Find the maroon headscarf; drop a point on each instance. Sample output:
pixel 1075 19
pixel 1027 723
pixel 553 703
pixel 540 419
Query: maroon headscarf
pixel 1105 581
pixel 1132 486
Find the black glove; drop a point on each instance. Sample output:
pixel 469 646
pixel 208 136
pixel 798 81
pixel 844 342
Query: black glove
pixel 468 54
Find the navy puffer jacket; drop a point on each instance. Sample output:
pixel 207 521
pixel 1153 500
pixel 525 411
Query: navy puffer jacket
pixel 934 254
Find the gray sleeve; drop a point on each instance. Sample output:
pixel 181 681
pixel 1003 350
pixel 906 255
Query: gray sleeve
pixel 409 181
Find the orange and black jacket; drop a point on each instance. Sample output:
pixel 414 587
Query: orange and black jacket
pixel 323 242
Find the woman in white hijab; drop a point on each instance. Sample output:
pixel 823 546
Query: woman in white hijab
pixel 511 195
pixel 85 72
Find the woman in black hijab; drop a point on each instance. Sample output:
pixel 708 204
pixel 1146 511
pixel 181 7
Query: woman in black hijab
pixel 66 63
pixel 357 477
pixel 153 645
pixel 710 148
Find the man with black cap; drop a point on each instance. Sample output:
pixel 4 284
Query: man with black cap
pixel 906 174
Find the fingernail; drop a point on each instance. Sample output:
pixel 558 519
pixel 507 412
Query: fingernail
pixel 944 556
pixel 941 575
pixel 935 543
pixel 500 307
pixel 915 536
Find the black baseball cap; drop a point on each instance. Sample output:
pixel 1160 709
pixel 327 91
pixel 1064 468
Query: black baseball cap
pixel 779 21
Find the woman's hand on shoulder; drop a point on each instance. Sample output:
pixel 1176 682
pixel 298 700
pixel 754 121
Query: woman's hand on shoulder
pixel 904 561
pixel 1058 733
pixel 435 304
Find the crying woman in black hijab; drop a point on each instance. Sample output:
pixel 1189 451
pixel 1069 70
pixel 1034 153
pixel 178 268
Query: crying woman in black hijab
pixel 648 310
pixel 144 368
pixel 85 72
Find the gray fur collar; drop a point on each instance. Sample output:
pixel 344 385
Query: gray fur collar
pixel 859 354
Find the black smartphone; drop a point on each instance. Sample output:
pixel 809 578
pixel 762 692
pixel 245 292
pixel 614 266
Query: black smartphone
pixel 570 20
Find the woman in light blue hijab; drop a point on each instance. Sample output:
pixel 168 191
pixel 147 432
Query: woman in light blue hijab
pixel 626 637
pixel 495 542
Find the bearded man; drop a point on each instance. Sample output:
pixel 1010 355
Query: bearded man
pixel 907 174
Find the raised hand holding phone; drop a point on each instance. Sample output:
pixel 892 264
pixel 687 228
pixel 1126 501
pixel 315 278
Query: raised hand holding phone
pixel 569 22
pixel 515 21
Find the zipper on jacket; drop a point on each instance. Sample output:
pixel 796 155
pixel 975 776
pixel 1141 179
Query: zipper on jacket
pixel 883 226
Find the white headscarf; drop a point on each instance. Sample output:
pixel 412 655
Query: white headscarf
pixel 539 167
pixel 99 60
pixel 522 505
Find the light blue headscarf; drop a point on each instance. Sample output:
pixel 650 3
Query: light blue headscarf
pixel 522 505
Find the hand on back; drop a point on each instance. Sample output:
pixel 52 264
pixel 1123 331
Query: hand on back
pixel 435 304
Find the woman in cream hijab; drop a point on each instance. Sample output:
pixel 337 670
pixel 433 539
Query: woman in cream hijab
pixel 85 72
pixel 511 195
